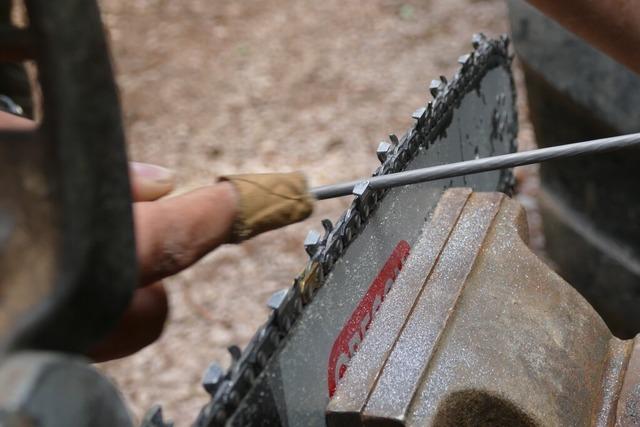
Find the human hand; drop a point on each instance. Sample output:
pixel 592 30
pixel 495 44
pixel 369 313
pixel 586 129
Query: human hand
pixel 171 234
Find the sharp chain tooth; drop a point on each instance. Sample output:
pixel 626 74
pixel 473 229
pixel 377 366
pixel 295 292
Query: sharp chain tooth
pixel 437 85
pixel 312 242
pixel 434 87
pixel 419 113
pixel 464 59
pixel 212 378
pixel 361 188
pixel 383 151
pixel 478 39
pixel 275 300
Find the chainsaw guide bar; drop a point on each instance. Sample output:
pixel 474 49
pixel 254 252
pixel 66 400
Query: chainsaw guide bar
pixel 291 367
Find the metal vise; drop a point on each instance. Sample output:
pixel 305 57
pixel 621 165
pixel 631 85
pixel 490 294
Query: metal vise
pixel 479 331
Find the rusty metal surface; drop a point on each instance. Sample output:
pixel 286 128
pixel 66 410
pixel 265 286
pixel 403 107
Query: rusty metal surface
pixel 494 337
pixel 628 405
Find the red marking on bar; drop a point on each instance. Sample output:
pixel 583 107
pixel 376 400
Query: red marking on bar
pixel 353 332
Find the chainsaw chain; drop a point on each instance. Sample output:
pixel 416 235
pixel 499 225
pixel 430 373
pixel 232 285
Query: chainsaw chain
pixel 229 388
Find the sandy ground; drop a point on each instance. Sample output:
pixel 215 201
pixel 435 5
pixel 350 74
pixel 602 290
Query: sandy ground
pixel 246 86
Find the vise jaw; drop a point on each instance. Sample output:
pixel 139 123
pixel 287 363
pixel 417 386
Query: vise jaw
pixel 477 330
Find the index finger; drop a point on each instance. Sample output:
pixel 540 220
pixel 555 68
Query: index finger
pixel 172 234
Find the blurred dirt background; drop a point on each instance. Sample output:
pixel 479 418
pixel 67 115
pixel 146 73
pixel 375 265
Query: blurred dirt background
pixel 231 86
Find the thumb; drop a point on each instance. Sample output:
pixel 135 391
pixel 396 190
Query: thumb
pixel 149 182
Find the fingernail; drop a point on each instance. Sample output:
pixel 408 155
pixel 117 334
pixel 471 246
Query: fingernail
pixel 152 172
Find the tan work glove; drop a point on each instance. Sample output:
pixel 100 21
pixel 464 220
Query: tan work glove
pixel 268 201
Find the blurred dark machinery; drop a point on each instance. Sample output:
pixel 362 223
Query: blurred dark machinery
pixel 590 205
pixel 67 258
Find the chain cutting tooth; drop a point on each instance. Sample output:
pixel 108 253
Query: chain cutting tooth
pixel 477 39
pixel 362 191
pixel 462 60
pixel 419 113
pixel 212 378
pixel 312 242
pixel 394 139
pixel 275 300
pixel 361 188
pixel 434 87
pixel 383 150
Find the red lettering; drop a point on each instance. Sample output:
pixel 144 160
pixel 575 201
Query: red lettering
pixel 353 332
